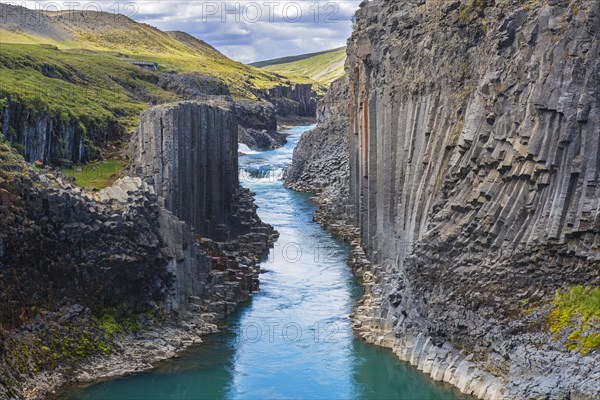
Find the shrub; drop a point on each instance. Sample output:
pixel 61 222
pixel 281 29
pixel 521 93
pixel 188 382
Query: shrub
pixel 20 148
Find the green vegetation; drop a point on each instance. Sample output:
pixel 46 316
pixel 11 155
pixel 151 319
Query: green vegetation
pixel 121 39
pixel 76 85
pixel 578 312
pixel 98 174
pixel 455 135
pixel 81 338
pixel 11 166
pixel 83 85
pixel 323 67
pixel 80 71
pixel 59 344
pixel 529 4
pixel 111 326
pixel 473 9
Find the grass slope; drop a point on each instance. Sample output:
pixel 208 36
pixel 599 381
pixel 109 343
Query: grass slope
pixel 108 34
pixel 75 65
pixel 98 175
pixel 323 67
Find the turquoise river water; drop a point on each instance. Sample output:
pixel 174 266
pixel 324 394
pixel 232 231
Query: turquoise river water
pixel 294 339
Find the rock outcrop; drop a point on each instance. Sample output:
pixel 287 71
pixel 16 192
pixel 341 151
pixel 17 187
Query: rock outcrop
pixel 60 243
pixel 258 125
pixel 189 152
pixel 168 254
pixel 295 100
pixel 48 138
pixel 473 156
pixel 321 156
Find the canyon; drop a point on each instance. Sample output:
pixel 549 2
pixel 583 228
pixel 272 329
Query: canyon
pixel 458 156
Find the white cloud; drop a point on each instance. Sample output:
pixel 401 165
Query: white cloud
pixel 244 30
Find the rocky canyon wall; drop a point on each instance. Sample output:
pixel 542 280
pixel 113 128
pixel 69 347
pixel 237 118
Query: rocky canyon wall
pixel 473 157
pixel 322 153
pixel 320 163
pixel 113 272
pixel 294 100
pixel 474 168
pixel 258 125
pixel 51 139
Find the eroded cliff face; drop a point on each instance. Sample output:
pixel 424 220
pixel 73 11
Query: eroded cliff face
pixel 52 139
pixel 139 270
pixel 295 100
pixel 257 122
pixel 473 156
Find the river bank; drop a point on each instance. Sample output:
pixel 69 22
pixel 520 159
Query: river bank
pixel 135 353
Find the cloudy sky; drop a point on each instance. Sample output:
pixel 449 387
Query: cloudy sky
pixel 244 30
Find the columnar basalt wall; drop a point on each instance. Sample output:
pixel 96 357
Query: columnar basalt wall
pixel 296 100
pixel 80 270
pixel 53 140
pixel 189 151
pixel 473 159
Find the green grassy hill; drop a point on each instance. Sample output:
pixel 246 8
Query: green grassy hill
pixel 323 67
pixel 77 65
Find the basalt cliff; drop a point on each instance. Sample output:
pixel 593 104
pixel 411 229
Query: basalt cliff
pixel 103 283
pixel 462 160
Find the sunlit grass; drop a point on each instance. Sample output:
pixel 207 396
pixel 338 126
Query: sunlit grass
pixel 89 77
pixel 77 85
pixel 323 68
pixel 98 175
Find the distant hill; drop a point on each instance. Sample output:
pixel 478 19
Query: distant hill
pixel 323 67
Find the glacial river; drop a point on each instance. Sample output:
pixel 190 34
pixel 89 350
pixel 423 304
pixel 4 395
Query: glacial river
pixel 294 339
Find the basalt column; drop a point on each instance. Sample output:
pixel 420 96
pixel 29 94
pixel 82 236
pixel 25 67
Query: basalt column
pixel 189 151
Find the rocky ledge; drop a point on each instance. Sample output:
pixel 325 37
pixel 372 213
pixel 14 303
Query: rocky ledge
pixel 258 125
